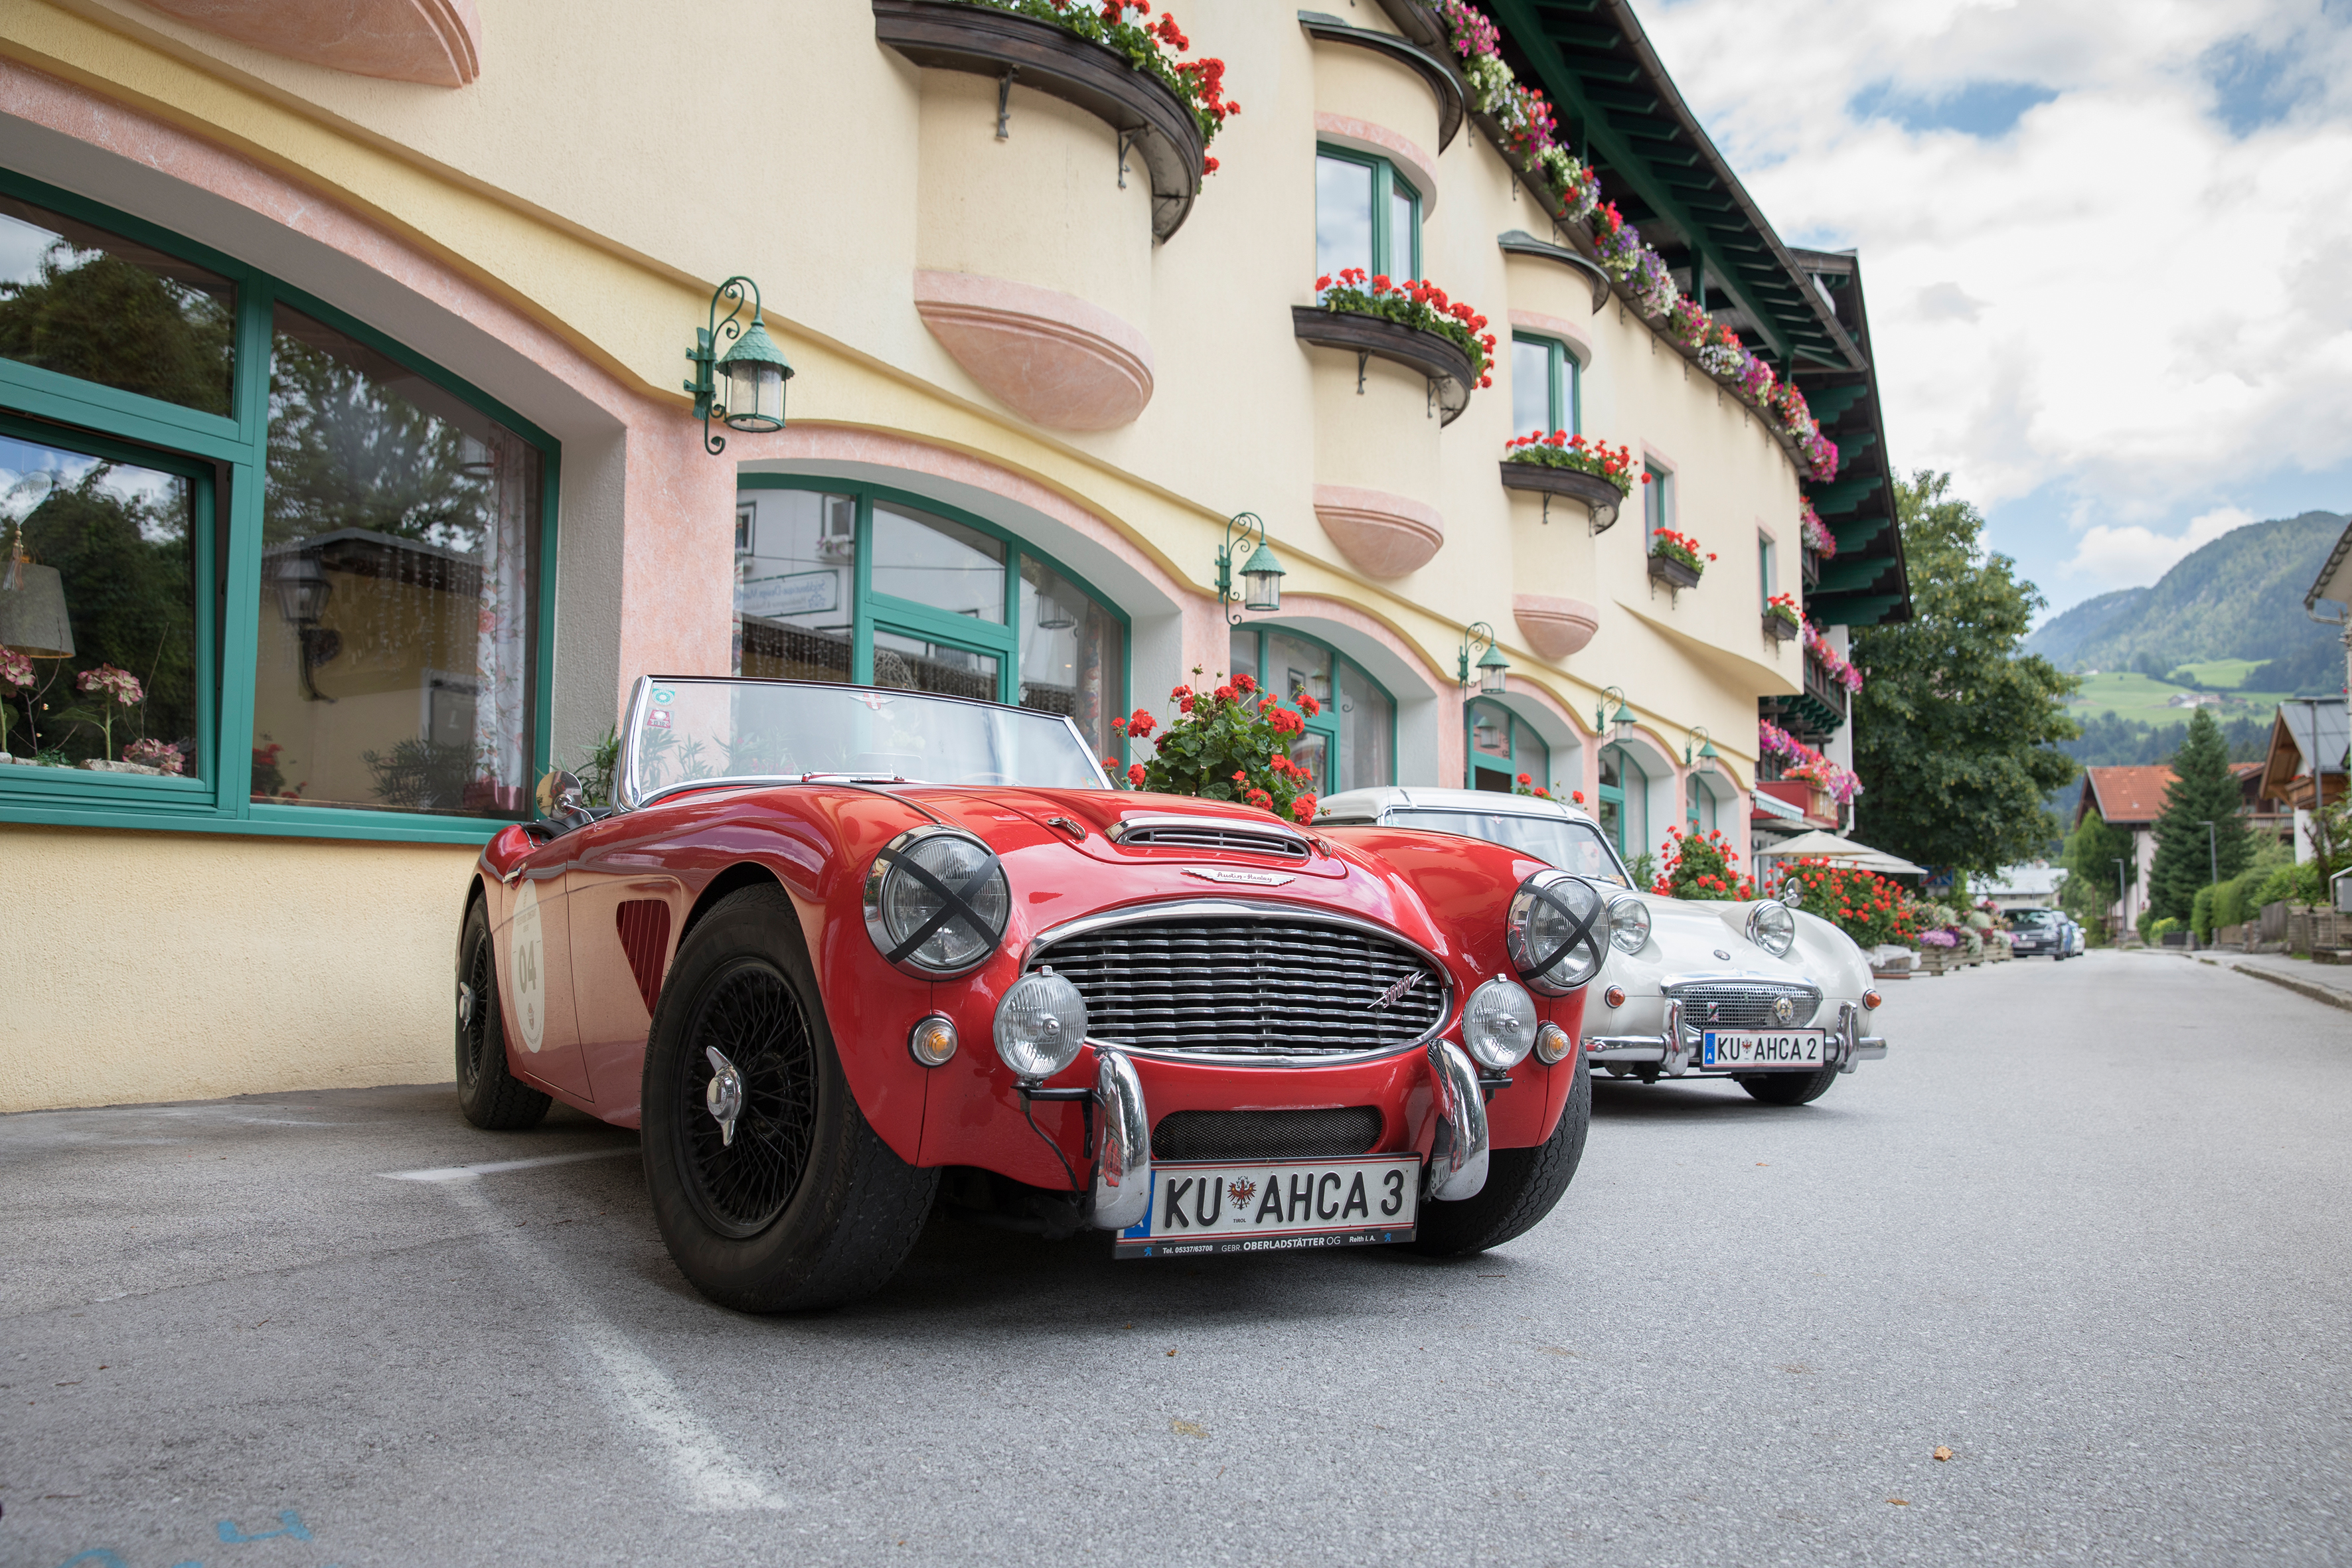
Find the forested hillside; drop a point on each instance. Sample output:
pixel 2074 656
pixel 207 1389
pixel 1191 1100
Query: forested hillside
pixel 2238 597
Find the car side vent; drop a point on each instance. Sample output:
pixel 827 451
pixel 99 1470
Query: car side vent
pixel 644 925
pixel 1212 834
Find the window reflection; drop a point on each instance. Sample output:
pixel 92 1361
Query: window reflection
pixel 937 563
pixel 1072 653
pixel 1367 732
pixel 1531 409
pixel 1343 215
pixel 796 577
pixel 399 579
pixel 98 599
pixel 918 664
pixel 83 302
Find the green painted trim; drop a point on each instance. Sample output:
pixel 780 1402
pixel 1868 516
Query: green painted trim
pixel 1386 182
pixel 234 454
pixel 911 618
pixel 1514 724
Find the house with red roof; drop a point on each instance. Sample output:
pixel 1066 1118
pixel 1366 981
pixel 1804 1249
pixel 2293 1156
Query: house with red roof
pixel 2130 798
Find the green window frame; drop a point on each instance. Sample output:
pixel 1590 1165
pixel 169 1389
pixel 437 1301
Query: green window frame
pixel 1563 384
pixel 229 458
pixel 1326 725
pixel 1529 753
pixel 1611 808
pixel 1702 812
pixel 1657 500
pixel 872 611
pixel 1391 193
pixel 1765 585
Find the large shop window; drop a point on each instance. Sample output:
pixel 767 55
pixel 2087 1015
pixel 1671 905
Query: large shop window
pixel 1502 747
pixel 1352 742
pixel 259 569
pixel 1366 215
pixel 863 586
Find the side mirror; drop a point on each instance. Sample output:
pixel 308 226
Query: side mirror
pixel 560 795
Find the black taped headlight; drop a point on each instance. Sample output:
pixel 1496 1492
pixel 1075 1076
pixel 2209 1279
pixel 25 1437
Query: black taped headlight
pixel 936 901
pixel 1555 932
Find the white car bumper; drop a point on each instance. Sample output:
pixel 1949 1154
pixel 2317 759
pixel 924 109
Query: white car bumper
pixel 1675 1050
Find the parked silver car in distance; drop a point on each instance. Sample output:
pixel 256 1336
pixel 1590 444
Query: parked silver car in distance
pixel 1755 991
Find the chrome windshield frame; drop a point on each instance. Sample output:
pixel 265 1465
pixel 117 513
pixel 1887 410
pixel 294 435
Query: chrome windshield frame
pixel 626 797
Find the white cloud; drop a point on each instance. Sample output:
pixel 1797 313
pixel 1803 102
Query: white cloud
pixel 2120 556
pixel 2135 289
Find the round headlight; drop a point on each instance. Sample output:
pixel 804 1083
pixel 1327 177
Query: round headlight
pixel 1629 924
pixel 1498 1024
pixel 1554 932
pixel 1772 927
pixel 1040 1024
pixel 936 901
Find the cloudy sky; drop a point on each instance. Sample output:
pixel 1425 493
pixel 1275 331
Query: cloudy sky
pixel 2107 246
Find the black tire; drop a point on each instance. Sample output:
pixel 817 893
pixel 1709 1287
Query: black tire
pixel 1522 1186
pixel 807 1208
pixel 491 1096
pixel 1790 1088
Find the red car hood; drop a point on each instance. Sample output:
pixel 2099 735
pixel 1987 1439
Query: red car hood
pixel 1104 813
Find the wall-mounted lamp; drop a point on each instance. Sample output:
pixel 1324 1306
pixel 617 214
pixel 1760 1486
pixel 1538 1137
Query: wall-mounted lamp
pixel 1703 759
pixel 33 619
pixel 1261 575
pixel 748 393
pixel 1614 715
pixel 1491 665
pixel 301 588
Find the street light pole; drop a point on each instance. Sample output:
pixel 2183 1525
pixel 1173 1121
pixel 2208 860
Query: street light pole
pixel 2123 909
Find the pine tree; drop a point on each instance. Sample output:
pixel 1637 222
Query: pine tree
pixel 2202 791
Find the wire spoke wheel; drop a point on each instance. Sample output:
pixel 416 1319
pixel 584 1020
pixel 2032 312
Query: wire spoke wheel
pixel 474 1012
pixel 750 1014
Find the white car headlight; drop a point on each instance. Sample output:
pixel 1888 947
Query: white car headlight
pixel 1772 927
pixel 1554 932
pixel 1629 924
pixel 1041 1022
pixel 936 901
pixel 1498 1024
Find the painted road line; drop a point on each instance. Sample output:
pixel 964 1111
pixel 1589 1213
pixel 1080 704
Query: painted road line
pixel 493 1167
pixel 702 1463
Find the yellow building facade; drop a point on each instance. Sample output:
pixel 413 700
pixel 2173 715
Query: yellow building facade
pixel 400 487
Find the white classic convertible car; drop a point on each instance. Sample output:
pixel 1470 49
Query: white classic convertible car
pixel 1755 991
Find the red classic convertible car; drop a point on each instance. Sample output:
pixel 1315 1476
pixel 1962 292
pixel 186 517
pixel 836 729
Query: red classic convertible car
pixel 845 953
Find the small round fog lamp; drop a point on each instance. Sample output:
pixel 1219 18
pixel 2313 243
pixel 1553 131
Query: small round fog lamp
pixel 933 1040
pixel 1040 1024
pixel 1498 1024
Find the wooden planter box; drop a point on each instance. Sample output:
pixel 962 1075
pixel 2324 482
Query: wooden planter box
pixel 1438 357
pixel 1779 628
pixel 1934 959
pixel 1053 60
pixel 1671 572
pixel 1599 496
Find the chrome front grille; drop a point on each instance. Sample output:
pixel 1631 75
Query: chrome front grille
pixel 1743 1004
pixel 1242 985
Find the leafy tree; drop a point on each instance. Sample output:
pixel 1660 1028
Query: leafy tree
pixel 2092 851
pixel 2202 791
pixel 99 317
pixel 1956 731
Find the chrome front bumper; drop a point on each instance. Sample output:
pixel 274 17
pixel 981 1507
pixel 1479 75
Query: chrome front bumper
pixel 1676 1051
pixel 1118 1184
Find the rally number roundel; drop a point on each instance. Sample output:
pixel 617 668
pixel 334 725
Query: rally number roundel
pixel 529 950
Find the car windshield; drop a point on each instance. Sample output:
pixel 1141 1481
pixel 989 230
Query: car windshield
pixel 1568 844
pixel 695 731
pixel 2025 919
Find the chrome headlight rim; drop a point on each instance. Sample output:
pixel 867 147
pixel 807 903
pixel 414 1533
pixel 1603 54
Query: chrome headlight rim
pixel 894 859
pixel 1624 910
pixel 1496 1002
pixel 1063 1006
pixel 1543 971
pixel 1783 934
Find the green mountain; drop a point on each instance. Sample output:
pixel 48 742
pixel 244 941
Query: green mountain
pixel 2239 598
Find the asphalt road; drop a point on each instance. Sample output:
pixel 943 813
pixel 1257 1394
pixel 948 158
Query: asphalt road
pixel 2086 1228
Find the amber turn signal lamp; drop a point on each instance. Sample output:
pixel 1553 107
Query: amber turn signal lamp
pixel 1870 999
pixel 1615 997
pixel 1553 1044
pixel 932 1041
